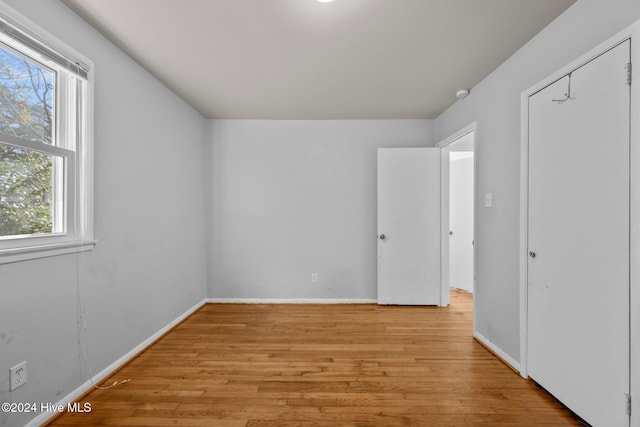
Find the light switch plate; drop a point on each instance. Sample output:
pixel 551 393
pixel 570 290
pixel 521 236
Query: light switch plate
pixel 488 200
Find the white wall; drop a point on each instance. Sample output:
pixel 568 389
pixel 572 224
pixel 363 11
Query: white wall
pixel 461 220
pixel 295 197
pixel 495 105
pixel 149 264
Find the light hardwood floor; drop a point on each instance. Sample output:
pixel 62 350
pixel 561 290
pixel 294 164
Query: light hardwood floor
pixel 321 365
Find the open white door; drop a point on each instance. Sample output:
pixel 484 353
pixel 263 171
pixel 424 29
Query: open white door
pixel 578 231
pixel 409 226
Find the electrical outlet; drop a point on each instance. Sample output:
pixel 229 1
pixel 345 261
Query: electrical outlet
pixel 314 277
pixel 18 375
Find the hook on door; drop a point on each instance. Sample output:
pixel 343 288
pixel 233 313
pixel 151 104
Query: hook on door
pixel 567 95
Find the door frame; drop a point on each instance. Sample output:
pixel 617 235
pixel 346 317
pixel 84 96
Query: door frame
pixel 630 33
pixel 444 211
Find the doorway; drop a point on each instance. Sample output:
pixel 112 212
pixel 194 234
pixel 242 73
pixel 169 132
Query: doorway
pixel 458 212
pixel 461 188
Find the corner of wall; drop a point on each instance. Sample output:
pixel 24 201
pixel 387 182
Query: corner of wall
pixel 207 151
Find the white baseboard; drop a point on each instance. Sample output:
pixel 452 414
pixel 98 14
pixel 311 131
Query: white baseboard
pixel 75 394
pixel 291 301
pixel 497 351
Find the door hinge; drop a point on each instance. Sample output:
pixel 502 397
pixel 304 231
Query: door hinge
pixel 627 396
pixel 629 73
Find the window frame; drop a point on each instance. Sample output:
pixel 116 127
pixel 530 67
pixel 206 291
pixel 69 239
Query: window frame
pixel 73 112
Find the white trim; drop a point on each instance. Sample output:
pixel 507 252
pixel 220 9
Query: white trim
pixel 504 356
pixel 85 170
pixel 623 35
pixel 634 237
pixel 524 236
pixel 444 212
pixel 96 379
pixel 27 26
pixel 36 146
pixel 472 127
pixel 8 256
pixel 290 301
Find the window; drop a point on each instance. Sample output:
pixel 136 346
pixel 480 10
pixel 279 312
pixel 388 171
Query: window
pixel 45 144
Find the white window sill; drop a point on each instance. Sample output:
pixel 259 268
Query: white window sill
pixel 44 251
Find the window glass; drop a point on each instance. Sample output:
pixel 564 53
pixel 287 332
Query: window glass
pixel 29 183
pixel 26 98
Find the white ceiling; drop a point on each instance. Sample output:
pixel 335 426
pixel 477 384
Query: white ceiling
pixel 302 59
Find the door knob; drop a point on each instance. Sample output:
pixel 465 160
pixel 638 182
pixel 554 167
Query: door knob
pixel 532 254
pixel 382 237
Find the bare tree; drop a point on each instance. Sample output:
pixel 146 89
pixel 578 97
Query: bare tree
pixel 26 177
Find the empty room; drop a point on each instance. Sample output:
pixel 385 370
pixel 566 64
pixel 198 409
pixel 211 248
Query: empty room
pixel 253 213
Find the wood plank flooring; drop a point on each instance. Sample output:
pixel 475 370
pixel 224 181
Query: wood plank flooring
pixel 321 365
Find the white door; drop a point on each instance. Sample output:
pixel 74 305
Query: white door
pixel 409 226
pixel 578 283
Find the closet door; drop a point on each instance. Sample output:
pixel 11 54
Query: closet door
pixel 578 282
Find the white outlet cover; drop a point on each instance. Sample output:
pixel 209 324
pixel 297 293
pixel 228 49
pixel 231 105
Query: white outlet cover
pixel 18 376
